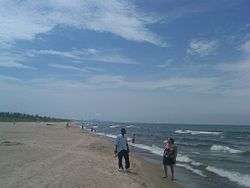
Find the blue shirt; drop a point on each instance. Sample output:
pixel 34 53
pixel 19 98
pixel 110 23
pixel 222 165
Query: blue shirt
pixel 121 143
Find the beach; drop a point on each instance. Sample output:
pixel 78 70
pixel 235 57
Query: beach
pixel 51 155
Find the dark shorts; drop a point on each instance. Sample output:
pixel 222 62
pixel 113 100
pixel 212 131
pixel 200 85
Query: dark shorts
pixel 168 161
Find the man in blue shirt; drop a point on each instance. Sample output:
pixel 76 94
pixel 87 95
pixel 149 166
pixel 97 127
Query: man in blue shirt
pixel 122 149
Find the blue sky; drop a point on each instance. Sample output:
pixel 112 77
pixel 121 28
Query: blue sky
pixel 151 61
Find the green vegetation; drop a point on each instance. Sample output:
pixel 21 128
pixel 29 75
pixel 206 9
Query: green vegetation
pixel 15 117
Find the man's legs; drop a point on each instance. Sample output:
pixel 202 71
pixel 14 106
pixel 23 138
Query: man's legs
pixel 120 154
pixel 126 156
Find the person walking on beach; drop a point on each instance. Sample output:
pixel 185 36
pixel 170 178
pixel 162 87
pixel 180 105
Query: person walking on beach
pixel 122 150
pixel 169 157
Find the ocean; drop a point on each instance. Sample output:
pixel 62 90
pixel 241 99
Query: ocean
pixel 208 155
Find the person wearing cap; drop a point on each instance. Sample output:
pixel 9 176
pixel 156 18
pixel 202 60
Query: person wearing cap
pixel 122 150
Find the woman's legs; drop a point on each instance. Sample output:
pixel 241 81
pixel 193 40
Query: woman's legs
pixel 165 170
pixel 172 171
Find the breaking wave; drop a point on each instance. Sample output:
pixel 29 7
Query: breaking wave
pixel 236 177
pixel 159 151
pixel 197 132
pixel 185 161
pixel 130 126
pixel 114 126
pixel 107 135
pixel 188 167
pixel 225 149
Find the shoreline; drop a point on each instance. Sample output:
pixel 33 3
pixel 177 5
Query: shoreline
pixel 40 155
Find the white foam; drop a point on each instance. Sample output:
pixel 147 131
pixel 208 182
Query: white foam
pixel 241 179
pixel 95 127
pixel 107 135
pixel 114 126
pixel 197 132
pixel 188 167
pixel 153 149
pixel 185 159
pixel 86 129
pixel 130 126
pixel 196 152
pixel 111 135
pixel 224 149
pixel 129 139
pixel 159 151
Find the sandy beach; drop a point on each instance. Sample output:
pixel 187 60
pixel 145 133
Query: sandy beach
pixel 41 155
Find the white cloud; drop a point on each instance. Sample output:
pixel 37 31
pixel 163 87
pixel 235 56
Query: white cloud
pixel 72 55
pixel 246 47
pixel 106 56
pixel 242 67
pixel 237 74
pixel 105 79
pixel 20 22
pixel 202 47
pixel 13 60
pixel 24 20
pixel 166 64
pixel 9 78
pixel 187 84
pixel 103 82
pixel 68 67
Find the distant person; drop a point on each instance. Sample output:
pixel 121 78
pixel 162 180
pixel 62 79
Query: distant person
pixel 133 139
pixel 169 157
pixel 82 127
pixel 67 125
pixel 122 150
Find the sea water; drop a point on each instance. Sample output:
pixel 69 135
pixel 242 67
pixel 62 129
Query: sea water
pixel 208 155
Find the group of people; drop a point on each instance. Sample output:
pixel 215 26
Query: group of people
pixel 121 150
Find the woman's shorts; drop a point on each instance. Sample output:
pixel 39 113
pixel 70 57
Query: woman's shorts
pixel 168 161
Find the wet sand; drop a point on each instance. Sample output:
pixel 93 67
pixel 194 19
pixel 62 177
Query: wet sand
pixel 41 155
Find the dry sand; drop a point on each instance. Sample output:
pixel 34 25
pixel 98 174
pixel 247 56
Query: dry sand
pixel 40 155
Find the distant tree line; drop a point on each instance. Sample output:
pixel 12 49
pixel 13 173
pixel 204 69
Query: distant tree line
pixel 15 117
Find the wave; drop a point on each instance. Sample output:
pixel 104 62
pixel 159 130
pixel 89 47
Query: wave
pixel 152 149
pixel 225 149
pixel 186 159
pixel 107 135
pixel 236 177
pixel 188 167
pixel 159 151
pixel 196 152
pixel 199 145
pixel 114 126
pixel 197 132
pixel 130 126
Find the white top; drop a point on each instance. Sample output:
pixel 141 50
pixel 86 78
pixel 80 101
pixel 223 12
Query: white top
pixel 121 143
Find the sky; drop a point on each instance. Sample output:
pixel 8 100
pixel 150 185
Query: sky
pixel 146 61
